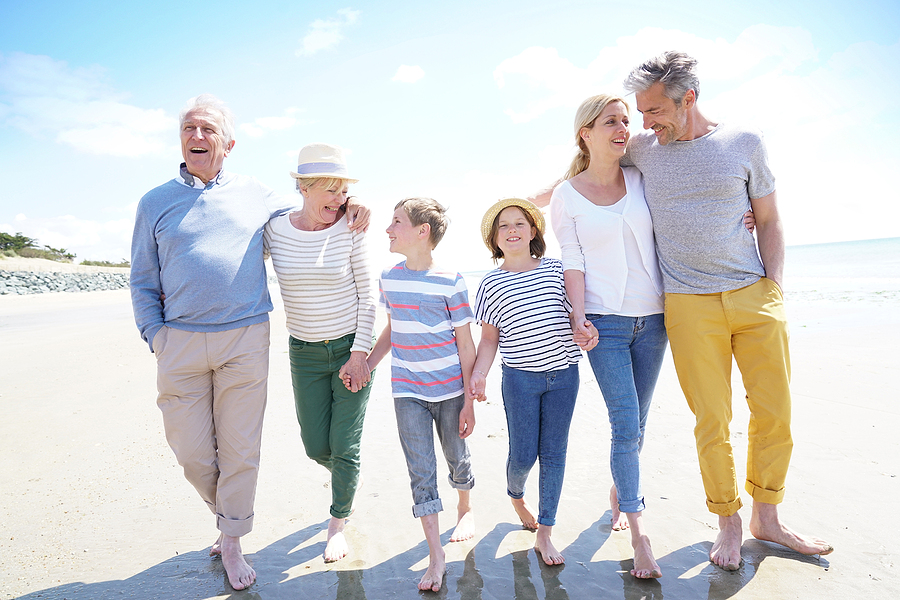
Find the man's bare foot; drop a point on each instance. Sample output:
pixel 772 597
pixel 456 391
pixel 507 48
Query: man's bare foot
pixel 645 566
pixel 240 574
pixel 765 525
pixel 726 552
pixel 434 576
pixel 336 546
pixel 465 526
pixel 526 514
pixel 619 521
pixel 216 549
pixel 546 549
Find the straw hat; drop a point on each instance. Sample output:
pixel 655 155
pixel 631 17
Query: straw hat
pixel 322 160
pixel 493 211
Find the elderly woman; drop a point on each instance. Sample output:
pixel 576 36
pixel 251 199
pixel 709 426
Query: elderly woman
pixel 323 272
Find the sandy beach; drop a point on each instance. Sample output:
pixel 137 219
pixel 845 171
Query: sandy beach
pixel 94 505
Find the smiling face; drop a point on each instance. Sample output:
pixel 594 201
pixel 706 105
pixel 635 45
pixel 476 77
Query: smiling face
pixel 322 201
pixel 203 144
pixel 668 119
pixel 514 232
pixel 609 133
pixel 403 235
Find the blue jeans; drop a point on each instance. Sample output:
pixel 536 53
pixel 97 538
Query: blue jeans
pixel 414 423
pixel 626 363
pixel 539 407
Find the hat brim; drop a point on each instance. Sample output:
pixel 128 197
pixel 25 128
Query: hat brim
pixel 488 220
pixel 322 176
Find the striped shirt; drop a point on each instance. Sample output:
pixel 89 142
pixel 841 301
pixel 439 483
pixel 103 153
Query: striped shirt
pixel 531 311
pixel 325 281
pixel 425 307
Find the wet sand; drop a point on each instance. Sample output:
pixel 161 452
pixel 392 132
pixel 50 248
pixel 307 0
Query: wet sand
pixel 94 506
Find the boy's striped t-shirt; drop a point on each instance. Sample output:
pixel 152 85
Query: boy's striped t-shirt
pixel 425 307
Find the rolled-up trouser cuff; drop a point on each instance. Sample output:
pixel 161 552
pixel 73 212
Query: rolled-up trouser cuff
pixel 429 508
pixel 234 527
pixel 763 495
pixel 724 509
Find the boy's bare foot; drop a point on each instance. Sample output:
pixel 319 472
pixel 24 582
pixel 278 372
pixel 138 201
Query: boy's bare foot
pixel 546 549
pixel 526 514
pixel 434 576
pixel 645 566
pixel 726 552
pixel 336 546
pixel 216 549
pixel 619 521
pixel 765 525
pixel 240 574
pixel 465 526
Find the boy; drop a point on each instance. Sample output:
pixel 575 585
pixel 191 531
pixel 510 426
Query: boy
pixel 432 354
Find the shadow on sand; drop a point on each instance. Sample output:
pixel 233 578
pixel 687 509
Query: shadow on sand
pixel 487 572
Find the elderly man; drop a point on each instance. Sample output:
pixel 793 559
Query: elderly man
pixel 198 245
pixel 723 294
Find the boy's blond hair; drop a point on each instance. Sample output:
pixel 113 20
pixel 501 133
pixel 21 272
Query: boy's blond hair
pixel 426 210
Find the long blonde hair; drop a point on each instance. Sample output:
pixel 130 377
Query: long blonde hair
pixel 587 113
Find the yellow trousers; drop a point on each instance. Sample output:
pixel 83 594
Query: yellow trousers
pixel 705 331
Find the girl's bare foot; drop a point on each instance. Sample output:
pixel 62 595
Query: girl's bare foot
pixel 240 574
pixel 545 547
pixel 336 546
pixel 645 566
pixel 619 520
pixel 526 514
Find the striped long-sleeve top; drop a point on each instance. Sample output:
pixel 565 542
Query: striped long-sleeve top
pixel 325 281
pixel 425 307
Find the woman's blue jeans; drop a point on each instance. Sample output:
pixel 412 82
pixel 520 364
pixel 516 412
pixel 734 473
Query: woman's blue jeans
pixel 539 407
pixel 626 363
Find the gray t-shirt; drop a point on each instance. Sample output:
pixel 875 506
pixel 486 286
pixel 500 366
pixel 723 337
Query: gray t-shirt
pixel 698 191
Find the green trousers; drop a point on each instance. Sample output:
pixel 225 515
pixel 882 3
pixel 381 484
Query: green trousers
pixel 331 416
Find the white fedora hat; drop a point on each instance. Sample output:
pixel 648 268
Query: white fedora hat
pixel 322 160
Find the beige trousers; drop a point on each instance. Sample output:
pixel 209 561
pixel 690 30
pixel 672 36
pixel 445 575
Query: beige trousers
pixel 212 394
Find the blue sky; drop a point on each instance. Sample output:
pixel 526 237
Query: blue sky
pixel 466 103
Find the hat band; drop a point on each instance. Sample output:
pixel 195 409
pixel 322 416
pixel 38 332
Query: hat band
pixel 336 169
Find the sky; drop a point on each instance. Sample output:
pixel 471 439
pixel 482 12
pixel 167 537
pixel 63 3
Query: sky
pixel 465 102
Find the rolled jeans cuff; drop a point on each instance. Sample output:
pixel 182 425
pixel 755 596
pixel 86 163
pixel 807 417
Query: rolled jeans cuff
pixel 428 508
pixel 724 509
pixel 763 495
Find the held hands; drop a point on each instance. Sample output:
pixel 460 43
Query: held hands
pixel 749 221
pixel 355 373
pixel 477 385
pixel 586 335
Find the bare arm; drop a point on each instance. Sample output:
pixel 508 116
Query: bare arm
pixel 487 350
pixel 466 348
pixel 358 214
pixel 542 197
pixel 582 328
pixel 770 236
pixel 382 346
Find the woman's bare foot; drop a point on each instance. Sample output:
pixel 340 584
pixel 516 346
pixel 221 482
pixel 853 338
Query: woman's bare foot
pixel 434 576
pixel 240 574
pixel 336 546
pixel 216 549
pixel 526 514
pixel 765 525
pixel 546 549
pixel 726 552
pixel 465 520
pixel 619 520
pixel 645 566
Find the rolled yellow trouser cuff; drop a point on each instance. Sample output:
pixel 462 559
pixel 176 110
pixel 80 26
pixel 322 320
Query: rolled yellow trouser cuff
pixel 724 509
pixel 763 495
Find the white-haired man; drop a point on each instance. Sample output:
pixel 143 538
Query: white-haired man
pixel 201 301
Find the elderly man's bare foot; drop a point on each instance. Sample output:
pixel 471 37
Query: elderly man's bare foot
pixel 726 552
pixel 645 566
pixel 546 549
pixel 765 525
pixel 240 574
pixel 619 520
pixel 336 544
pixel 525 512
pixel 434 576
pixel 216 549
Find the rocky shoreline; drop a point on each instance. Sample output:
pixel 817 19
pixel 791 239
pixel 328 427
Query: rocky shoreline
pixel 29 282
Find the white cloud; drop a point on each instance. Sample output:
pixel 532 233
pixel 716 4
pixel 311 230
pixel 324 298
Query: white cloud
pixel 262 125
pixel 74 106
pixel 87 239
pixel 327 33
pixel 408 74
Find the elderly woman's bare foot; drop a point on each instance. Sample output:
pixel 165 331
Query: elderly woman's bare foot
pixel 765 525
pixel 645 566
pixel 726 551
pixel 336 544
pixel 526 514
pixel 546 549
pixel 434 576
pixel 240 574
pixel 216 549
pixel 619 520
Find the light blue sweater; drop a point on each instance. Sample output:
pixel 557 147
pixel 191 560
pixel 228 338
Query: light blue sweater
pixel 202 246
